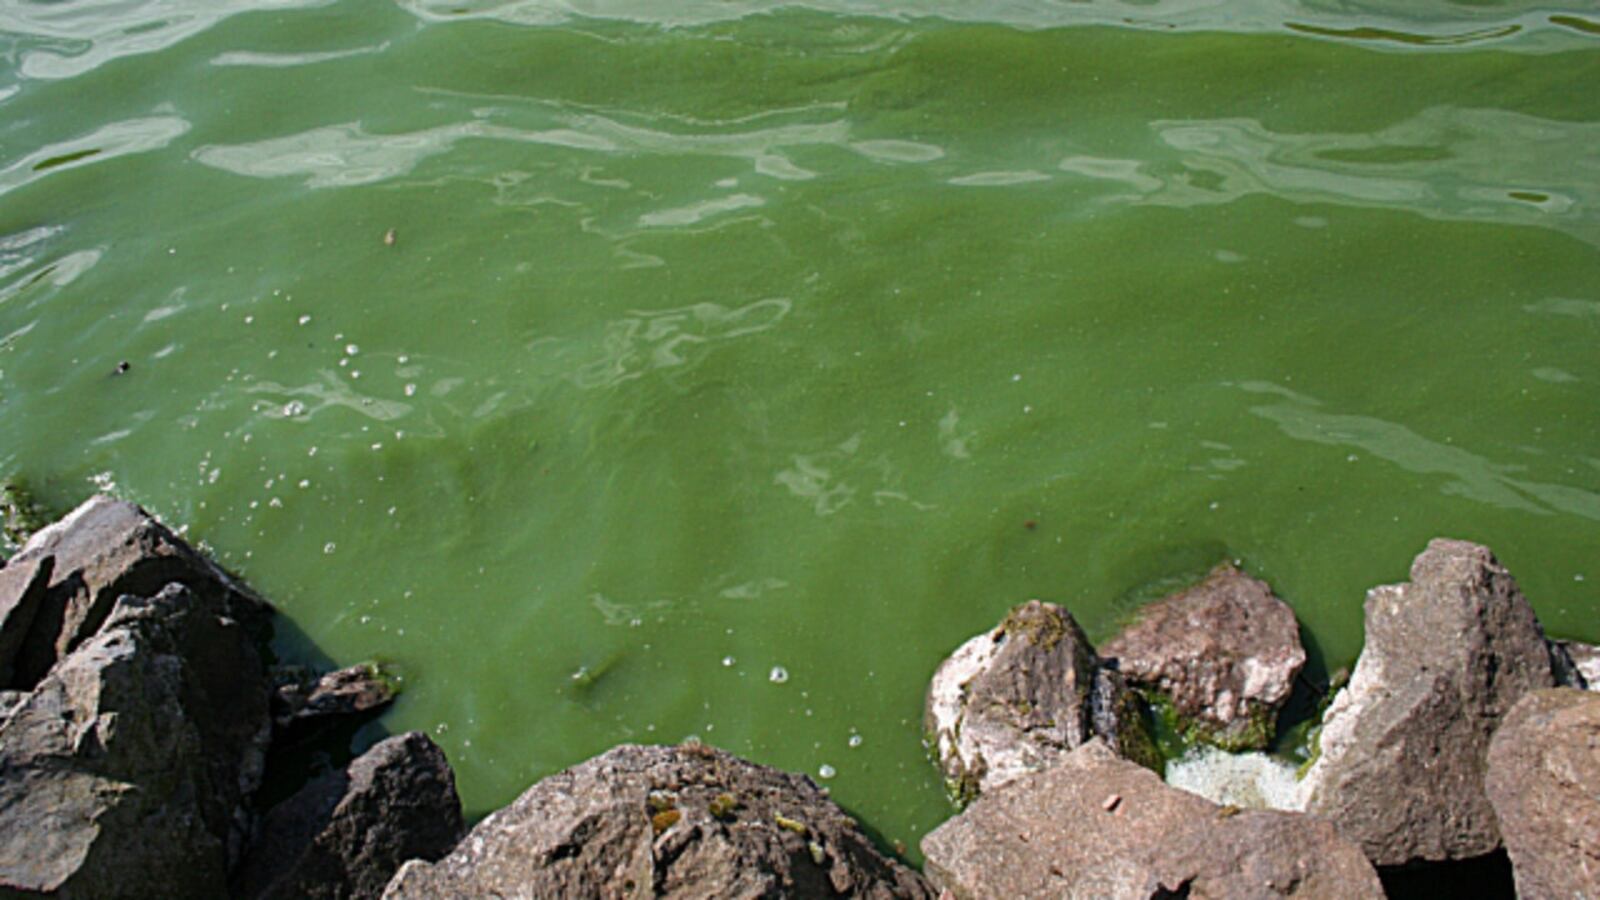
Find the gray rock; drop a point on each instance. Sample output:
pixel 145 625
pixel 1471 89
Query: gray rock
pixel 1096 826
pixel 344 835
pixel 23 588
pixel 1544 782
pixel 1403 746
pixel 103 549
pixel 305 706
pixel 1224 652
pixel 126 767
pixel 687 821
pixel 1577 665
pixel 1011 701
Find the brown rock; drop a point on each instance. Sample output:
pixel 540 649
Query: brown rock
pixel 1403 747
pixel 345 834
pixel 684 822
pixel 1544 782
pixel 1013 700
pixel 1098 826
pixel 103 549
pixel 1225 652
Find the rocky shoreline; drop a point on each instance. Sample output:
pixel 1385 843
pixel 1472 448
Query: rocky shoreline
pixel 150 747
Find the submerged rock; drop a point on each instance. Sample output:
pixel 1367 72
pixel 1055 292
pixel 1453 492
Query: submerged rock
pixel 127 766
pixel 687 821
pixel 1403 747
pixel 1013 700
pixel 1224 652
pixel 103 549
pixel 1544 782
pixel 1098 826
pixel 344 834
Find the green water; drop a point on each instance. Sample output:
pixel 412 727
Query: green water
pixel 754 335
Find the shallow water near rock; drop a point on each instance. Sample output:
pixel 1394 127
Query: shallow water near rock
pixel 594 364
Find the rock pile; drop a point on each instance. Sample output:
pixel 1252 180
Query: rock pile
pixel 136 726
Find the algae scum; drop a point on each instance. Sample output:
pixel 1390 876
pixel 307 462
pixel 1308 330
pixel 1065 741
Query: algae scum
pixel 625 371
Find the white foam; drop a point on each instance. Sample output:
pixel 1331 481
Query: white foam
pixel 1246 780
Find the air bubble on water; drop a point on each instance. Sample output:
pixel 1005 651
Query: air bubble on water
pixel 826 771
pixel 778 675
pixel 249 319
pixel 378 445
pixel 855 740
pixel 355 373
pixel 305 483
pixel 727 662
pixel 1215 504
pixel 294 408
pixel 275 503
pixel 344 362
pixel 329 547
pixel 365 619
pixel 403 359
pixel 351 349
pixel 1017 377
pixel 411 390
pixel 305 320
pixel 441 728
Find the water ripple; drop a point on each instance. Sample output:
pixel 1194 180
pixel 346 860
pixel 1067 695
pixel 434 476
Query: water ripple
pixel 1470 475
pixel 102 144
pixel 73 38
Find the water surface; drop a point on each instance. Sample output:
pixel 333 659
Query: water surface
pixel 729 365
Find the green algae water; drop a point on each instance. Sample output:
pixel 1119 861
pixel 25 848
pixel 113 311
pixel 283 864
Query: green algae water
pixel 626 371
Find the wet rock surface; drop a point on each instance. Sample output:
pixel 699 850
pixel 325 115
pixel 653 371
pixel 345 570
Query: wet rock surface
pixel 686 821
pixel 305 706
pixel 1099 826
pixel 1544 782
pixel 1013 700
pixel 128 764
pixel 1224 652
pixel 1403 747
pixel 345 834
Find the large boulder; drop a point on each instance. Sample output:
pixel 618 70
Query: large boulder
pixel 1095 825
pixel 1013 700
pixel 1544 782
pixel 344 834
pixel 103 549
pixel 126 767
pixel 1402 748
pixel 686 821
pixel 1224 652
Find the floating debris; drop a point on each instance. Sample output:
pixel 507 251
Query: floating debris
pixel 123 367
pixel 1111 803
pixel 389 238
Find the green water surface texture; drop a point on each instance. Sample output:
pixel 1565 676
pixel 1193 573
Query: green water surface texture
pixel 724 339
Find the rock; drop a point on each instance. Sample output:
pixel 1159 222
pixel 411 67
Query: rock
pixel 1224 652
pixel 126 767
pixel 23 587
pixel 103 549
pixel 1544 782
pixel 345 834
pixel 687 821
pixel 1578 665
pixel 1098 826
pixel 1403 746
pixel 304 707
pixel 1011 701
